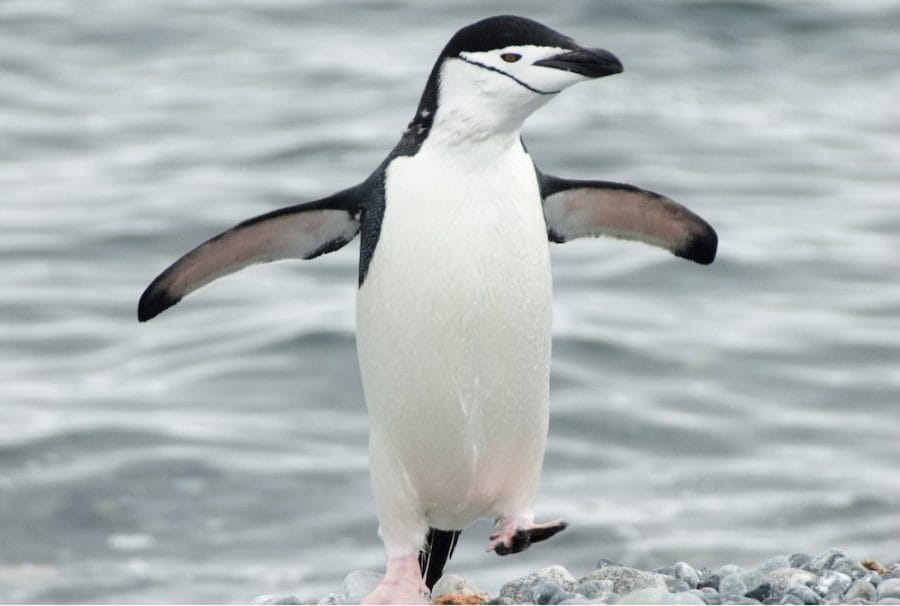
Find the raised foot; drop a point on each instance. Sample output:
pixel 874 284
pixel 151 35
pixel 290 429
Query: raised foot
pixel 402 584
pixel 517 534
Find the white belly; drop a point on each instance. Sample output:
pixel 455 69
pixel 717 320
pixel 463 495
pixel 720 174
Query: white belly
pixel 453 333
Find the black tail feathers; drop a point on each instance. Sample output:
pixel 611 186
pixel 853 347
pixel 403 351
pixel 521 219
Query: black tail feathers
pixel 439 546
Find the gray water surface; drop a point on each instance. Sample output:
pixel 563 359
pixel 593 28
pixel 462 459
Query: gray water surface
pixel 713 415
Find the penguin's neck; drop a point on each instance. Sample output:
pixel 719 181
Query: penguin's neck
pixel 464 105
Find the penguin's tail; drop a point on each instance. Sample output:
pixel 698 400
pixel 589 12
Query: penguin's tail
pixel 439 546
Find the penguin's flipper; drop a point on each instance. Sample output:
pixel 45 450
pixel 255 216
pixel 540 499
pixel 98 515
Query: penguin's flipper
pixel 575 209
pixel 303 231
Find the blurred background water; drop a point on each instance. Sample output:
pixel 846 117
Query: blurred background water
pixel 714 415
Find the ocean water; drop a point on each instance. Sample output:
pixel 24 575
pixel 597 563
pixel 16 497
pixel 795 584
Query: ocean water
pixel 716 414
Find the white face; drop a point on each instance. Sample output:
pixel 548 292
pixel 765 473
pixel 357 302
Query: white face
pixel 490 92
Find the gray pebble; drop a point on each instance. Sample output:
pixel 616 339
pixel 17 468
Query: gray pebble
pixel 592 588
pixel 755 577
pixel 575 599
pixel 739 599
pixel 559 575
pixel 707 578
pixel 544 593
pixel 728 569
pixel 783 578
pixel 761 592
pixel 832 581
pixel 626 580
pixel 888 588
pixel 862 589
pixel 267 600
pixel 603 563
pixel 686 573
pixel 791 599
pixel 799 560
pixel 665 571
pixel 332 599
pixel 504 601
pixel 676 585
pixel 519 590
pixel 894 573
pixel 360 583
pixel 826 559
pixel 709 595
pixel 804 594
pixel 656 595
pixel 732 585
pixel 565 596
pixel 850 567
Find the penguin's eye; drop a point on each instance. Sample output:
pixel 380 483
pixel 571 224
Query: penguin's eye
pixel 510 57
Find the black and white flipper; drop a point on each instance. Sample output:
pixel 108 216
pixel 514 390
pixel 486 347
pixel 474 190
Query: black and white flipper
pixel 575 209
pixel 303 231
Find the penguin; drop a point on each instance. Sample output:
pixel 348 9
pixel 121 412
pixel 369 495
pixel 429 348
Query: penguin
pixel 454 300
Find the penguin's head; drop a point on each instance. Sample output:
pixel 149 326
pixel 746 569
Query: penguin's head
pixel 493 74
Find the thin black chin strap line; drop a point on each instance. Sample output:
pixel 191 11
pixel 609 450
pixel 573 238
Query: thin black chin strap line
pixel 510 76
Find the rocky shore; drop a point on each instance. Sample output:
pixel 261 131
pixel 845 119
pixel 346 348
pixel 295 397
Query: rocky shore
pixel 830 577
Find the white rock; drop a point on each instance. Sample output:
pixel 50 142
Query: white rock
pixel 360 583
pixel 655 595
pixel 450 583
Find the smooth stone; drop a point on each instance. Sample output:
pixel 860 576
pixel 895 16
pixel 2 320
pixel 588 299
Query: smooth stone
pixel 675 585
pixel 518 590
pixel 665 571
pixel 791 599
pixel 607 597
pixel 603 563
pixel 267 600
pixel 850 567
pixel 805 594
pixel 625 580
pixel 559 575
pixel 831 582
pixel 546 592
pixel 728 569
pixel 826 559
pixel 592 588
pixel 739 599
pixel 575 600
pixel 686 573
pixel 892 573
pixel 710 595
pixel 888 588
pixel 503 601
pixel 862 590
pixel 761 592
pixel 783 578
pixel 333 599
pixel 450 583
pixel 708 578
pixel 656 595
pixel 753 578
pixel 799 560
pixel 732 585
pixel 565 596
pixel 360 583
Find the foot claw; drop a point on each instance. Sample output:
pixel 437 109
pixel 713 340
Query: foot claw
pixel 508 541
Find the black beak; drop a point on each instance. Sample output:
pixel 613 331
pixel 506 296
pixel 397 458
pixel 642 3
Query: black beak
pixel 590 62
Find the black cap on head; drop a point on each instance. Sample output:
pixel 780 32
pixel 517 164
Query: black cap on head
pixel 502 31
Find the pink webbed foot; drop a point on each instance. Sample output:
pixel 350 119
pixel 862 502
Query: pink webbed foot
pixel 402 584
pixel 517 534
